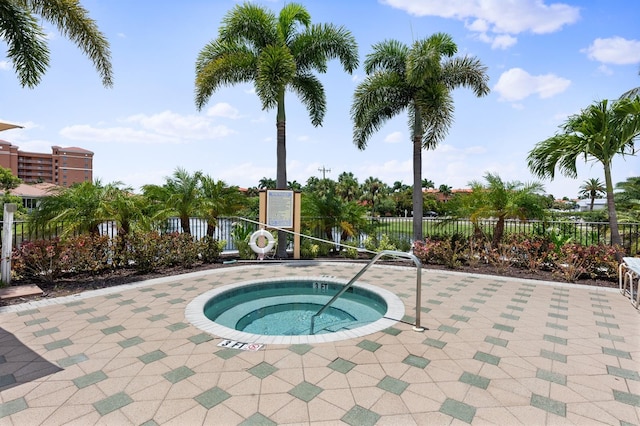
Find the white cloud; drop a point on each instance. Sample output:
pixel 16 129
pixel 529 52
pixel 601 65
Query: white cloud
pixel 5 65
pixel 223 109
pixel 394 137
pixel 614 50
pixel 517 84
pixel 303 138
pixel 85 132
pixel 496 17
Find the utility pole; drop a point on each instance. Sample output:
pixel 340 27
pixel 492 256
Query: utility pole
pixel 323 170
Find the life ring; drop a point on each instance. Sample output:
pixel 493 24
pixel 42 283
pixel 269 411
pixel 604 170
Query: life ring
pixel 261 233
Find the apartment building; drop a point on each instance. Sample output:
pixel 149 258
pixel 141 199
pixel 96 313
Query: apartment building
pixel 63 167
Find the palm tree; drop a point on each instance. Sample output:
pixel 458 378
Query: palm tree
pixel 445 190
pixel 591 189
pixel 427 183
pixel 420 80
pixel 267 183
pixel 348 187
pixel 180 196
pixel 218 199
pixel 372 190
pixel 276 53
pixel 21 30
pixel 599 133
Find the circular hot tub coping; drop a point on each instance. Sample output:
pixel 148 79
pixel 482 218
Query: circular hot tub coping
pixel 194 313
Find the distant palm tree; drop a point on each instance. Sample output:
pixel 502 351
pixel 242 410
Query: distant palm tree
pixel 21 30
pixel 276 54
pixel 427 183
pixel 445 190
pixel 348 187
pixel 267 183
pixel 217 200
pixel 591 189
pixel 600 132
pixel 372 190
pixel 294 185
pixel 419 80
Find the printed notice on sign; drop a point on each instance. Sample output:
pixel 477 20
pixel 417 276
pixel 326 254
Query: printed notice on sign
pixel 280 208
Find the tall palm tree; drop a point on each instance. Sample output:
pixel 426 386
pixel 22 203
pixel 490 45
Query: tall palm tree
pixel 419 80
pixel 348 187
pixel 21 30
pixel 218 199
pixel 599 132
pixel 591 189
pixel 180 196
pixel 276 53
pixel 372 190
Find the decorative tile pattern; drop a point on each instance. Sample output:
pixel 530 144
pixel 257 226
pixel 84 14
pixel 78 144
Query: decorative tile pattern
pixel 152 356
pixel 393 385
pixel 549 405
pixel 300 349
pixel 131 342
pixel 359 416
pixel 212 397
pixel 180 373
pixel 89 379
pixel 341 365
pixel 475 380
pixel 458 410
pixel 368 345
pixel 11 407
pixel 496 341
pixel 258 420
pixel 416 361
pixel 627 398
pixel 305 391
pixel 488 358
pixel 262 370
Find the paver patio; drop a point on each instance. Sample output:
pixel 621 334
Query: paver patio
pixel 496 351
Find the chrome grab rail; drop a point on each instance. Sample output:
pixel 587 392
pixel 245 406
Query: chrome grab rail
pixel 394 253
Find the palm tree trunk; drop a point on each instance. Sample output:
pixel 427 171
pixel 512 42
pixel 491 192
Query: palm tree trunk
pixel 211 229
pixel 498 232
pixel 417 180
pixel 593 200
pixel 281 169
pixel 616 240
pixel 186 226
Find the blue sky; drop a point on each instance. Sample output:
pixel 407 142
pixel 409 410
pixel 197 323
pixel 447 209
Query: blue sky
pixel 546 60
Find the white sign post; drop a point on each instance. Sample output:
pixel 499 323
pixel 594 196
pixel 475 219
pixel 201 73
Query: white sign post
pixel 7 242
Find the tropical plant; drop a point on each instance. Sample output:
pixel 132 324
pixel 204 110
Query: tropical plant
pixel 267 183
pixel 600 133
pixel 217 200
pixel 418 79
pixel 180 196
pixel 21 29
pixel 275 53
pixel 348 187
pixel 591 189
pixel 8 180
pixel 372 190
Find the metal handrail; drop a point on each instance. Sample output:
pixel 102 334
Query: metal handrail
pixel 394 253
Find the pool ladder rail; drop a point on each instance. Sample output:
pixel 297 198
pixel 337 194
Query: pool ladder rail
pixel 393 253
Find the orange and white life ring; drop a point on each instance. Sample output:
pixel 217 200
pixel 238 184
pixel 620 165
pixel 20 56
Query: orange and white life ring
pixel 254 238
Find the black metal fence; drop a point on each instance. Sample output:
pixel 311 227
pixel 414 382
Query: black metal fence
pixel 586 233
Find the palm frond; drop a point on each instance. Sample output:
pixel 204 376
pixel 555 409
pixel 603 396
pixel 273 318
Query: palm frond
pixel 249 24
pixel 291 15
pixel 276 69
pixel 466 72
pixel 310 91
pixel 387 56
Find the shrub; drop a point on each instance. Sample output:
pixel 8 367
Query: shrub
pixel 144 251
pixel 86 253
pixel 308 249
pixel 210 249
pixel 38 260
pixel 350 253
pixel 446 251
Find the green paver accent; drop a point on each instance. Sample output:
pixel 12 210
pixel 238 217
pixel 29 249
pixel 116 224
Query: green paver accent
pixel 6 380
pixel 616 352
pixel 159 295
pixel 141 309
pixel 623 372
pixel 89 379
pixel 114 329
pixel 158 317
pixel 626 398
pixel 175 284
pixel 611 337
pixel 258 419
pixel 549 405
pixel 150 423
pixel 469 308
pixel 131 342
pixel 46 331
pixel 341 365
pixel 623 423
pixel 435 343
pixel 599 299
pixel 113 296
pixel 443 295
pixel 606 324
pixel 212 397
pixel 11 407
pixel 57 344
pixel 554 356
pixel 490 289
pixel 515 308
pixel 601 307
pixel 555 299
pixel 475 300
pixel 448 329
pixel 200 338
pixel 488 358
pixel 71 360
pixel 557 326
pixel 403 295
pixel 180 373
pixel 481 294
pixel 359 416
pixel 496 341
pixel 460 318
pixel 262 370
pixel 305 391
pixel 36 321
pixel 475 380
pixel 434 302
pixel 392 385
pixel 605 315
pixel 126 302
pixel 152 356
pixel 416 361
pixel 28 312
pixel 300 349
pixel 559 316
pixel 192 288
pixel 503 327
pixel 409 319
pixel 72 304
pixel 177 326
pixel 555 339
pixel 550 376
pixel 368 345
pixel 521 294
pixel 85 311
pixel 425 310
pixel 519 301
pixel 510 317
pixel 145 289
pixel 560 308
pixel 112 403
pixel 227 353
pixel 392 331
pixel 176 301
pixel 458 410
pixel 98 319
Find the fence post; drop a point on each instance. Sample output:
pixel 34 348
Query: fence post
pixel 7 240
